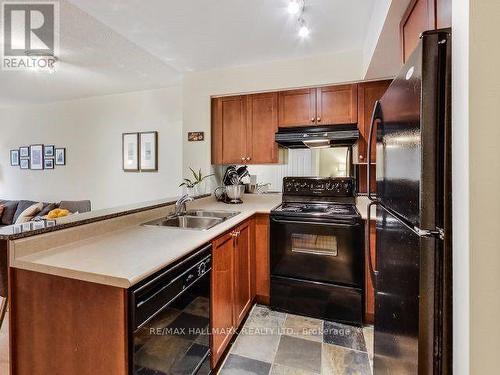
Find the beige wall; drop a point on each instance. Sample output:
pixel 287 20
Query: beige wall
pixel 199 86
pixel 484 184
pixel 91 130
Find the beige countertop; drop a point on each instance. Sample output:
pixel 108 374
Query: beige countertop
pixel 126 256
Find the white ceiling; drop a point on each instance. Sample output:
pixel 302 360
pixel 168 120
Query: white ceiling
pixel 93 60
pixel 202 35
pixel 116 46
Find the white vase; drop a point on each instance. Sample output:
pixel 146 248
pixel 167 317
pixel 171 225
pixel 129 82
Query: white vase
pixel 192 191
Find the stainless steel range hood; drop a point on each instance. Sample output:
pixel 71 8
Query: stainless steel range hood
pixel 317 137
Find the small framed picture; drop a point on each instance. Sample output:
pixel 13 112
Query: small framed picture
pixel 149 151
pixel 48 151
pixel 130 152
pixel 24 164
pixel 60 156
pixel 14 158
pixel 48 163
pixel 24 152
pixel 36 156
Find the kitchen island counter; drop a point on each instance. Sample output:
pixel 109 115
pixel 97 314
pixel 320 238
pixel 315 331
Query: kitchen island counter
pixel 124 257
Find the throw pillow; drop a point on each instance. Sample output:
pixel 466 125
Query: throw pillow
pixel 23 204
pixel 46 209
pixel 1 211
pixel 29 213
pixel 9 211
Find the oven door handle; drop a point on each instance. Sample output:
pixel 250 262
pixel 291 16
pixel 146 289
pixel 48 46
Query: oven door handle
pixel 373 271
pixel 283 221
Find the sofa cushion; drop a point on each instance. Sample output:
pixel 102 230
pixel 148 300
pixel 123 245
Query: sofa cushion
pixel 29 213
pixel 75 206
pixel 21 207
pixel 9 211
pixel 1 212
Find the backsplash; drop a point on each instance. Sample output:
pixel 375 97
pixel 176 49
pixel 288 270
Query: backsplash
pixel 301 163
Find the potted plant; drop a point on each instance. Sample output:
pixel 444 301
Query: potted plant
pixel 192 185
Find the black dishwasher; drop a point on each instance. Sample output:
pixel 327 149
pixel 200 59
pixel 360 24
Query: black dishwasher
pixel 170 319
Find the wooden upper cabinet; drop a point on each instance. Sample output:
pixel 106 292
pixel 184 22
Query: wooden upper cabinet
pixel 262 124
pixel 229 129
pixel 243 271
pixel 297 108
pixel 368 94
pixel 422 15
pixel 337 105
pixel 221 308
pixel 328 105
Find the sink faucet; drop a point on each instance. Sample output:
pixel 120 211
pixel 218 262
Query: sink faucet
pixel 180 205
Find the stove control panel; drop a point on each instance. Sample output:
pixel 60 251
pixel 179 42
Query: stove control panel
pixel 324 187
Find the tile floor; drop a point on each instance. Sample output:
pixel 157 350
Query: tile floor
pixel 274 343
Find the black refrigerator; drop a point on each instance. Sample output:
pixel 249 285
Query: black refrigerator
pixel 412 268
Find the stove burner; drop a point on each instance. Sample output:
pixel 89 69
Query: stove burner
pixel 318 209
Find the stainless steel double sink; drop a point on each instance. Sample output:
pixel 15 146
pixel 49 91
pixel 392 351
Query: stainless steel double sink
pixel 194 219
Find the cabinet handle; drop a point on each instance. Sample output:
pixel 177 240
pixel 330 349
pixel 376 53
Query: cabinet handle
pixel 361 157
pixel 234 234
pixel 319 119
pixel 312 119
pixel 242 158
pixel 249 158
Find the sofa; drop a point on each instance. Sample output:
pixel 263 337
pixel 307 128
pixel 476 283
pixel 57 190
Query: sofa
pixel 12 209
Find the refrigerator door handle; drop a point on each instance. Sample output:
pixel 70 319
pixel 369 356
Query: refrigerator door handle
pixel 436 233
pixel 373 271
pixel 375 117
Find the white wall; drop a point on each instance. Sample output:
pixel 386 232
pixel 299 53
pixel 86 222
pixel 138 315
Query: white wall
pixel 91 130
pixel 461 196
pixel 200 86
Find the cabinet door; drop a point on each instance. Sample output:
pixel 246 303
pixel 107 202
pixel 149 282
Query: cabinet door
pixel 262 271
pixel 297 108
pixel 229 130
pixel 337 105
pixel 419 17
pixel 368 94
pixel 242 272
pixel 222 294
pixel 262 124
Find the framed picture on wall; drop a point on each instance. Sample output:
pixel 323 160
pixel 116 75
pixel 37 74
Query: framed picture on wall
pixel 14 158
pixel 130 152
pixel 24 164
pixel 24 152
pixel 149 151
pixel 48 163
pixel 48 151
pixel 36 157
pixel 60 156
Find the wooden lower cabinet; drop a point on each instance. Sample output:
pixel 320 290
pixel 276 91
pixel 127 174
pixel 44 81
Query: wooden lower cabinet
pixel 222 294
pixel 66 326
pixel 262 268
pixel 243 297
pixel 369 287
pixel 232 291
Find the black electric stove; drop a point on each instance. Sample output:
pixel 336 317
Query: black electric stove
pixel 317 257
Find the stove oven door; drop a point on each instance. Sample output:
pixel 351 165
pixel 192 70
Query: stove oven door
pixel 327 252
